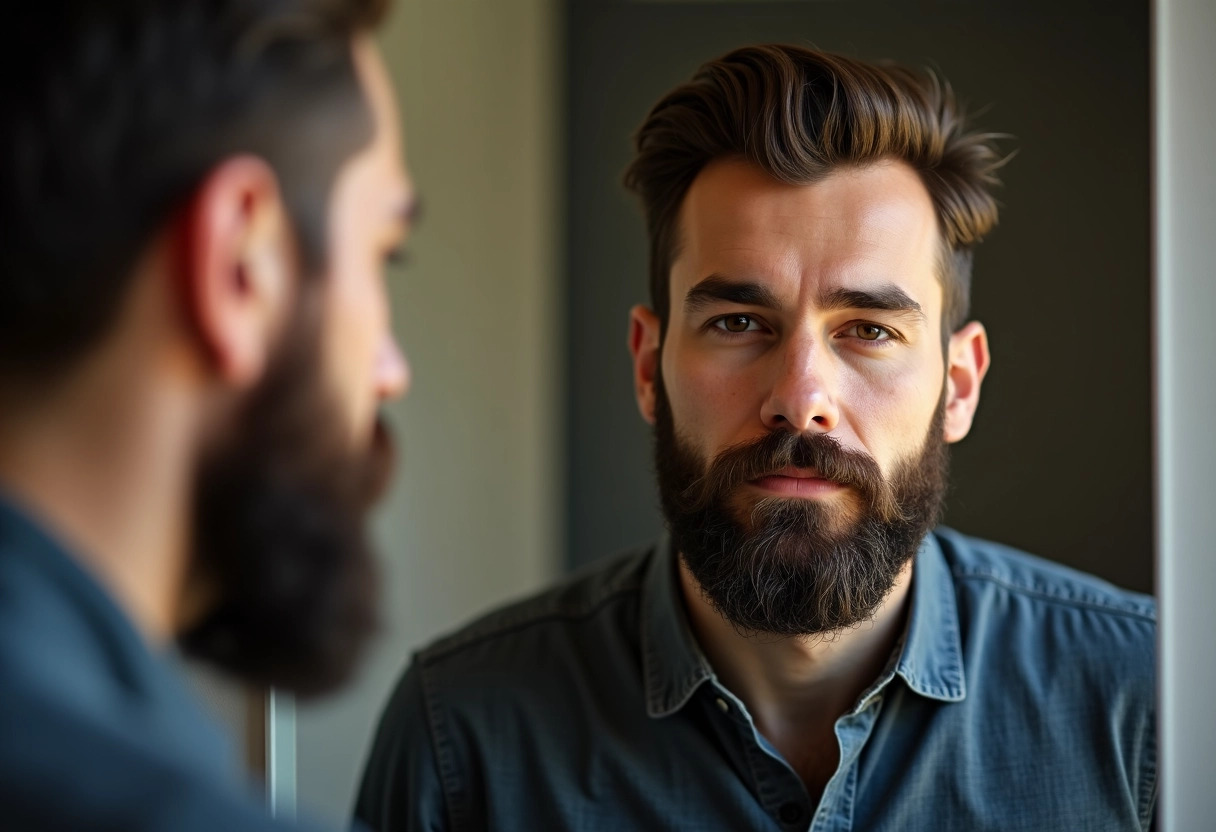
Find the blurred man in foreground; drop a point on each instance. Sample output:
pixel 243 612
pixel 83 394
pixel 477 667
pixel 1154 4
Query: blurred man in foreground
pixel 804 649
pixel 197 200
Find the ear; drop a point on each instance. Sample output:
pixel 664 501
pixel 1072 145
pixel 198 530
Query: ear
pixel 238 268
pixel 967 363
pixel 644 347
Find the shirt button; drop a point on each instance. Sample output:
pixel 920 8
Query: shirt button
pixel 722 705
pixel 790 813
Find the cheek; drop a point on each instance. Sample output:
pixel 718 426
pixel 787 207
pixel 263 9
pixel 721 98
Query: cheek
pixel 713 403
pixel 890 408
pixel 357 319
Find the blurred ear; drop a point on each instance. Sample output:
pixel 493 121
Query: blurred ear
pixel 644 347
pixel 238 267
pixel 967 364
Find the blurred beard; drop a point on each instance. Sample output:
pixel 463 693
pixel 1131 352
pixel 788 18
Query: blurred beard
pixel 280 529
pixel 787 566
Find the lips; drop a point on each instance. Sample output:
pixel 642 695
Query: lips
pixel 797 473
pixel 796 482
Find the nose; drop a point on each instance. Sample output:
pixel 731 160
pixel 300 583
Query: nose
pixel 801 398
pixel 392 374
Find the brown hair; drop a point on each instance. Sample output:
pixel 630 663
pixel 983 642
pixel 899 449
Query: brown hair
pixel 800 114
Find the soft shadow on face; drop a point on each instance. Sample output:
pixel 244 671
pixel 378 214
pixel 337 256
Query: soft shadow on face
pixel 793 567
pixel 280 519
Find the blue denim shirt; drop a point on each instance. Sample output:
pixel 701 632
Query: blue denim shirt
pixel 98 732
pixel 1020 697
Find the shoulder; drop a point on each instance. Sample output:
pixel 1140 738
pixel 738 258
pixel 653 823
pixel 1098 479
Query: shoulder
pixel 1024 619
pixel 524 676
pixel 583 604
pixel 529 661
pixel 56 634
pixel 1078 655
pixel 984 569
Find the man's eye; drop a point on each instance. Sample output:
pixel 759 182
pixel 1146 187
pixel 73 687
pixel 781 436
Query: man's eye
pixel 737 323
pixel 872 332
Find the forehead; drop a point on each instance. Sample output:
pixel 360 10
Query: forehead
pixel 383 156
pixel 856 228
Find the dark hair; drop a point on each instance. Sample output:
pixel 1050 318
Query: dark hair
pixel 114 112
pixel 799 114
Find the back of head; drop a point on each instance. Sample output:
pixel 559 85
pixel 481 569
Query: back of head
pixel 113 112
pixel 799 115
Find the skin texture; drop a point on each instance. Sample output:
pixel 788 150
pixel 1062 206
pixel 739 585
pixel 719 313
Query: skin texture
pixel 807 358
pixel 108 457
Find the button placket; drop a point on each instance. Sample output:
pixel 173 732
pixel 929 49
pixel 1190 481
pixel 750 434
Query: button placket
pixel 791 813
pixel 776 785
pixel 835 812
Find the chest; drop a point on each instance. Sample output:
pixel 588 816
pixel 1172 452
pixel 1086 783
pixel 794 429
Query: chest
pixel 813 755
pixel 913 764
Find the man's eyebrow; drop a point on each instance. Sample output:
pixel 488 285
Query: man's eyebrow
pixel 889 298
pixel 717 288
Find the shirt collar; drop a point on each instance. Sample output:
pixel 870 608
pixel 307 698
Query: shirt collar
pixel 674 666
pixel 25 535
pixel 77 617
pixel 932 658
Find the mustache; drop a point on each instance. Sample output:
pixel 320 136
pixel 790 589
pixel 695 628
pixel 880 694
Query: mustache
pixel 780 449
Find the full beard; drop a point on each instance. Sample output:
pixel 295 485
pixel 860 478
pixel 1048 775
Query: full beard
pixel 280 531
pixel 796 567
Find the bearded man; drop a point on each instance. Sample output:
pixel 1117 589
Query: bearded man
pixel 804 649
pixel 197 200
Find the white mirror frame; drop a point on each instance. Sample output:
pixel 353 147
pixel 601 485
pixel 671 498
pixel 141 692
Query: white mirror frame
pixel 1184 167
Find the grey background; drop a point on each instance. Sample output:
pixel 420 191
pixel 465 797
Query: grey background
pixel 1059 461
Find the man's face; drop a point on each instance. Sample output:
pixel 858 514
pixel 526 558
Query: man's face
pixel 777 320
pixel 283 500
pixel 371 208
pixel 802 388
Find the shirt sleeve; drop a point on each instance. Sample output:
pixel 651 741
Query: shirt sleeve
pixel 401 789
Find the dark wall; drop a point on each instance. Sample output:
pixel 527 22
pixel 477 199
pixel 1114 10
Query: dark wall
pixel 1058 462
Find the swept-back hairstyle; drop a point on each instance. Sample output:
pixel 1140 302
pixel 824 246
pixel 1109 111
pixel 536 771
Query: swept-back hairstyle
pixel 800 114
pixel 113 113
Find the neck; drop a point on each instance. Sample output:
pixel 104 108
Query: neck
pixel 100 460
pixel 798 683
